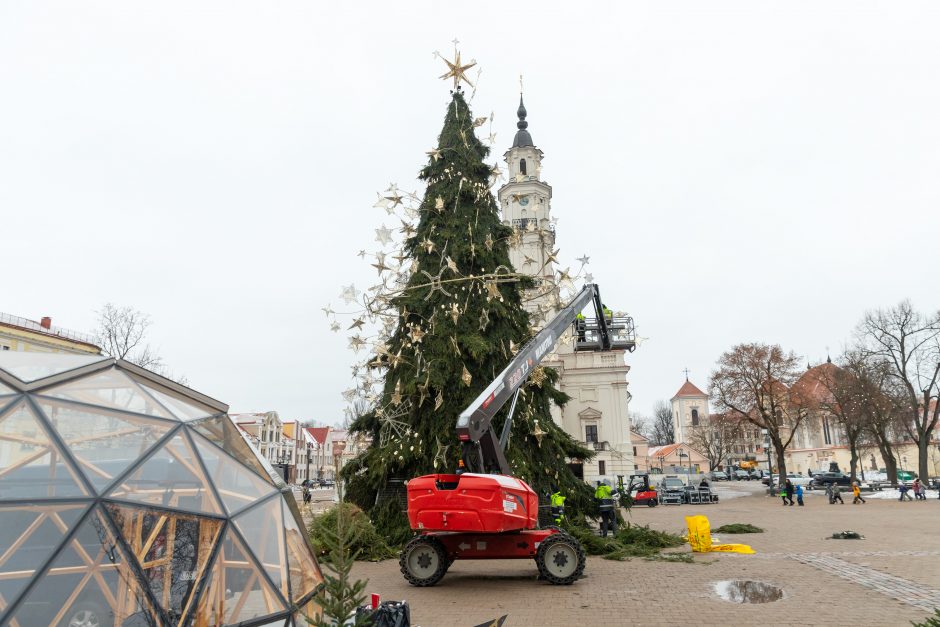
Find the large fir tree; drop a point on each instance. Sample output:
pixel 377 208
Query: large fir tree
pixel 460 321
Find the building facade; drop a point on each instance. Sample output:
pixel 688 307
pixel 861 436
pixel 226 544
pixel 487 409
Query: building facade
pixel 25 335
pixel 689 410
pixel 598 413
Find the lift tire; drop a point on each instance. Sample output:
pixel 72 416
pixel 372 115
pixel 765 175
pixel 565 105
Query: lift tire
pixel 652 503
pixel 424 561
pixel 560 559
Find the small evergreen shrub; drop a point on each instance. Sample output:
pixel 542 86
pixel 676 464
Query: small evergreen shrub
pixel 738 528
pixel 364 541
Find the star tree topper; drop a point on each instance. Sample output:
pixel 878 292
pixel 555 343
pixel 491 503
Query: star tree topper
pixel 456 70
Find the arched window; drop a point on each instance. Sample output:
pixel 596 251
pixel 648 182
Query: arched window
pixel 694 417
pixel 522 166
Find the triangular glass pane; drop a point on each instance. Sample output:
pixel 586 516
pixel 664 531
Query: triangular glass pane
pixel 90 581
pixel 28 536
pixel 236 589
pixel 262 529
pixel 184 409
pixel 31 465
pixel 29 367
pixel 237 486
pixel 5 389
pixel 304 571
pixel 111 388
pixel 308 613
pixel 221 431
pixel 105 443
pixel 171 478
pixel 172 549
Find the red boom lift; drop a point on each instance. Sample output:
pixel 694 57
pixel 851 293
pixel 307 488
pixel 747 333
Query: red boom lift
pixel 485 513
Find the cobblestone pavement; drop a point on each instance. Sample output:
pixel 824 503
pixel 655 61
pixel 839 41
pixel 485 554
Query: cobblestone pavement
pixel 889 578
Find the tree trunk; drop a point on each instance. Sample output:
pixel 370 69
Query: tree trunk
pixel 781 466
pixel 853 464
pixel 922 447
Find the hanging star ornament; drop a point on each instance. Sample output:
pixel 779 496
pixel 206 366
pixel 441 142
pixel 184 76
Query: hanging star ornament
pixel 585 260
pixel 383 235
pixel 457 70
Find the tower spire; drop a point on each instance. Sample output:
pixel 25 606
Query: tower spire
pixel 522 138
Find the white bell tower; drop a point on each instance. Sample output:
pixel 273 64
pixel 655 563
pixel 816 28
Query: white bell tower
pixel 526 204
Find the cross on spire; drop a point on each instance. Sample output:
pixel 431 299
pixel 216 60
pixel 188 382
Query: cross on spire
pixel 686 371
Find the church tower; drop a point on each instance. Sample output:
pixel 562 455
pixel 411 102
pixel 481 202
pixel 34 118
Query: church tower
pixel 598 413
pixel 526 205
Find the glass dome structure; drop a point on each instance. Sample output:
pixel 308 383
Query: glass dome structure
pixel 129 500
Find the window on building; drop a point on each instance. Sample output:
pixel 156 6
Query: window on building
pixel 601 467
pixel 827 436
pixel 590 433
pixel 634 451
pixel 522 167
pixel 694 417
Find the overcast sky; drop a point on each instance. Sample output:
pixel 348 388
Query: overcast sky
pixel 737 171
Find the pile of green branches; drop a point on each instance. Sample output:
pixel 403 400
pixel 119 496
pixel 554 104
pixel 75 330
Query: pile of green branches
pixel 630 541
pixel 365 543
pixel 738 528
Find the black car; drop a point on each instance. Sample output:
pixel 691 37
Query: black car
pixel 822 479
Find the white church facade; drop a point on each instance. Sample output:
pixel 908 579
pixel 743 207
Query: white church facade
pixel 598 413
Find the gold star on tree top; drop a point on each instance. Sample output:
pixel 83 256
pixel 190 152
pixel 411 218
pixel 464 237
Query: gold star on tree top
pixel 457 70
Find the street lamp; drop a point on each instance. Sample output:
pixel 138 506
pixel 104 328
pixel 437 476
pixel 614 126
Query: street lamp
pixel 661 460
pixel 770 474
pixel 682 454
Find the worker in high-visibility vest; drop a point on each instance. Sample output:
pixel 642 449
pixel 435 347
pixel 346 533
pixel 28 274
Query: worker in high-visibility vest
pixel 605 504
pixel 579 325
pixel 608 314
pixel 558 505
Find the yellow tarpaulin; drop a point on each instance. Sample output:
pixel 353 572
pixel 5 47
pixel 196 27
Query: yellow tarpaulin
pixel 700 538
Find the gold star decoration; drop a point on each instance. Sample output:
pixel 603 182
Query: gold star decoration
pixel 434 154
pixel 452 265
pixel 428 245
pixel 488 242
pixel 491 290
pixel 484 319
pixel 357 323
pixel 538 433
pixel 416 334
pixel 355 343
pixel 457 70
pixel 396 394
pixel 455 312
pixel 439 203
pixel 478 122
pixel 439 400
pixel 538 376
pixel 466 377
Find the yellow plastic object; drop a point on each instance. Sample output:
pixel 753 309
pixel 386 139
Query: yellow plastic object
pixel 700 538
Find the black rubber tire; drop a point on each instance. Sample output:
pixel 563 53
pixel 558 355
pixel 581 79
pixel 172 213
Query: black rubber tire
pixel 430 550
pixel 564 547
pixel 652 503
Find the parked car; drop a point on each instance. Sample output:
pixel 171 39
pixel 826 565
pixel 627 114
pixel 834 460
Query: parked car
pixel 822 479
pixel 741 475
pixel 717 475
pixel 756 474
pixel 798 479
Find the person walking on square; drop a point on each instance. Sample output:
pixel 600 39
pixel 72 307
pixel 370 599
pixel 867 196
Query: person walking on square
pixel 788 491
pixel 829 493
pixel 857 493
pixel 919 490
pixel 903 489
pixel 799 495
pixel 837 494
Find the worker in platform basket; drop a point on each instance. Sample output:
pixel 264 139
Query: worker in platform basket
pixel 608 314
pixel 558 505
pixel 579 325
pixel 606 499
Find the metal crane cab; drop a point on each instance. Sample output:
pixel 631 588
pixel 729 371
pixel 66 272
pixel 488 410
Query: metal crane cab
pixel 485 513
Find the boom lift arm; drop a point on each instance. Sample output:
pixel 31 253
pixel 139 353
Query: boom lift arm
pixel 475 423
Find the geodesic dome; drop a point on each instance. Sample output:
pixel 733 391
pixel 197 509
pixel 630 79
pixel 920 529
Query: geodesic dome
pixel 128 500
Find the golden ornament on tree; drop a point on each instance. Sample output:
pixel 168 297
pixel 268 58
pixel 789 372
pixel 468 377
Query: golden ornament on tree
pixel 456 69
pixel 466 377
pixel 538 433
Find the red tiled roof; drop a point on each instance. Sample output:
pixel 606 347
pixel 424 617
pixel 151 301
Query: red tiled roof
pixel 319 433
pixel 688 389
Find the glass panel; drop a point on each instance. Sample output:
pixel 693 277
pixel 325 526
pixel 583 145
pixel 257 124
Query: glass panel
pixel 105 443
pixel 28 536
pixel 237 486
pixel 236 589
pixel 28 367
pixel 171 477
pixel 262 529
pixel 111 388
pixel 308 613
pixel 221 431
pixel 184 409
pixel 305 573
pixel 90 582
pixel 173 551
pixel 31 466
pixel 5 389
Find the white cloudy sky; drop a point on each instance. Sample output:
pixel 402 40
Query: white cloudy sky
pixel 737 171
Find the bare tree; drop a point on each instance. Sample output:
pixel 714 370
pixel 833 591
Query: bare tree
pixel 662 431
pixel 642 424
pixel 753 384
pixel 877 398
pixel 844 399
pixel 910 342
pixel 716 439
pixel 121 333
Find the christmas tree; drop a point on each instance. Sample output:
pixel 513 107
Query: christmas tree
pixel 456 324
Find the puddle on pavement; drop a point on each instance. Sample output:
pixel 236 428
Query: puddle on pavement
pixel 745 591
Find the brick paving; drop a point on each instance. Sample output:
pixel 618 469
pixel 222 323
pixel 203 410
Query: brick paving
pixel 889 578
